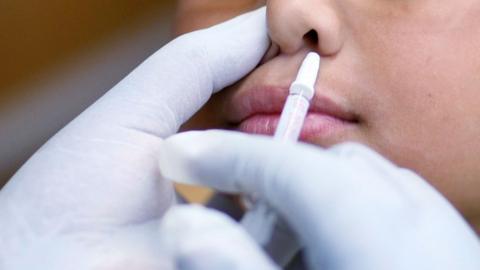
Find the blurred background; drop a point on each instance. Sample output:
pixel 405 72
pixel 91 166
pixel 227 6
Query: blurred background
pixel 58 57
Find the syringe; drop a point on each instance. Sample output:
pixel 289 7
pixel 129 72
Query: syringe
pixel 261 219
pixel 296 107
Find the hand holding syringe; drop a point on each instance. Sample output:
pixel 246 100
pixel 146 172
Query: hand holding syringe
pixel 261 219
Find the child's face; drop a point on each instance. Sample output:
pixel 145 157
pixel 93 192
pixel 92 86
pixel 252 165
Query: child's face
pixel 405 76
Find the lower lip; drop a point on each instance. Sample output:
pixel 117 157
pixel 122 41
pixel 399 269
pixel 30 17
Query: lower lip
pixel 317 126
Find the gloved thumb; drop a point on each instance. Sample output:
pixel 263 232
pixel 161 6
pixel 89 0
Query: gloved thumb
pixel 228 161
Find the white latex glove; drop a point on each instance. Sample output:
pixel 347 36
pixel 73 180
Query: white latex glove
pixel 91 197
pixel 351 208
pixel 200 239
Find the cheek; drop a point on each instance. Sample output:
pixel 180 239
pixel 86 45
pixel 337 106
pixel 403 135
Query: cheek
pixel 426 114
pixel 422 89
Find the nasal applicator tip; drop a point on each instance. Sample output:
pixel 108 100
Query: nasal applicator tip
pixel 304 84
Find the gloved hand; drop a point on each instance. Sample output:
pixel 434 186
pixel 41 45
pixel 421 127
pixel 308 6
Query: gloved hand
pixel 351 208
pixel 91 196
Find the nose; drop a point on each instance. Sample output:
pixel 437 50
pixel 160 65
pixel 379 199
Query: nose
pixel 296 24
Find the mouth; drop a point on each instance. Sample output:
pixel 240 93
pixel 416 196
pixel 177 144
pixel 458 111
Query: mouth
pixel 258 110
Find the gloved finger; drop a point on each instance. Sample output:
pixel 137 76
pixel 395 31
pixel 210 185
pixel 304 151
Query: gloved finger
pixel 242 41
pixel 197 239
pixel 175 82
pixel 232 161
pixel 101 169
pixel 237 162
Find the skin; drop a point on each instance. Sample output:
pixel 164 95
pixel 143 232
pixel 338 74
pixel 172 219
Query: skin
pixel 408 69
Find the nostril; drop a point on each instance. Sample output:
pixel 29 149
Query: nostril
pixel 311 39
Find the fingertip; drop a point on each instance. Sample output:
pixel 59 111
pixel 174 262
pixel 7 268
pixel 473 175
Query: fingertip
pixel 183 156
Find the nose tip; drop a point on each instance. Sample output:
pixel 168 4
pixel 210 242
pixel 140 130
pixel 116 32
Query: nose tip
pixel 315 25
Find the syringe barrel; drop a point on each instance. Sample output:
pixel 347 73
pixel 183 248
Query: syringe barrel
pixel 261 220
pixel 293 116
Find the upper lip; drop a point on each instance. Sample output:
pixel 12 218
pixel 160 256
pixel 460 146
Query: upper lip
pixel 271 100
